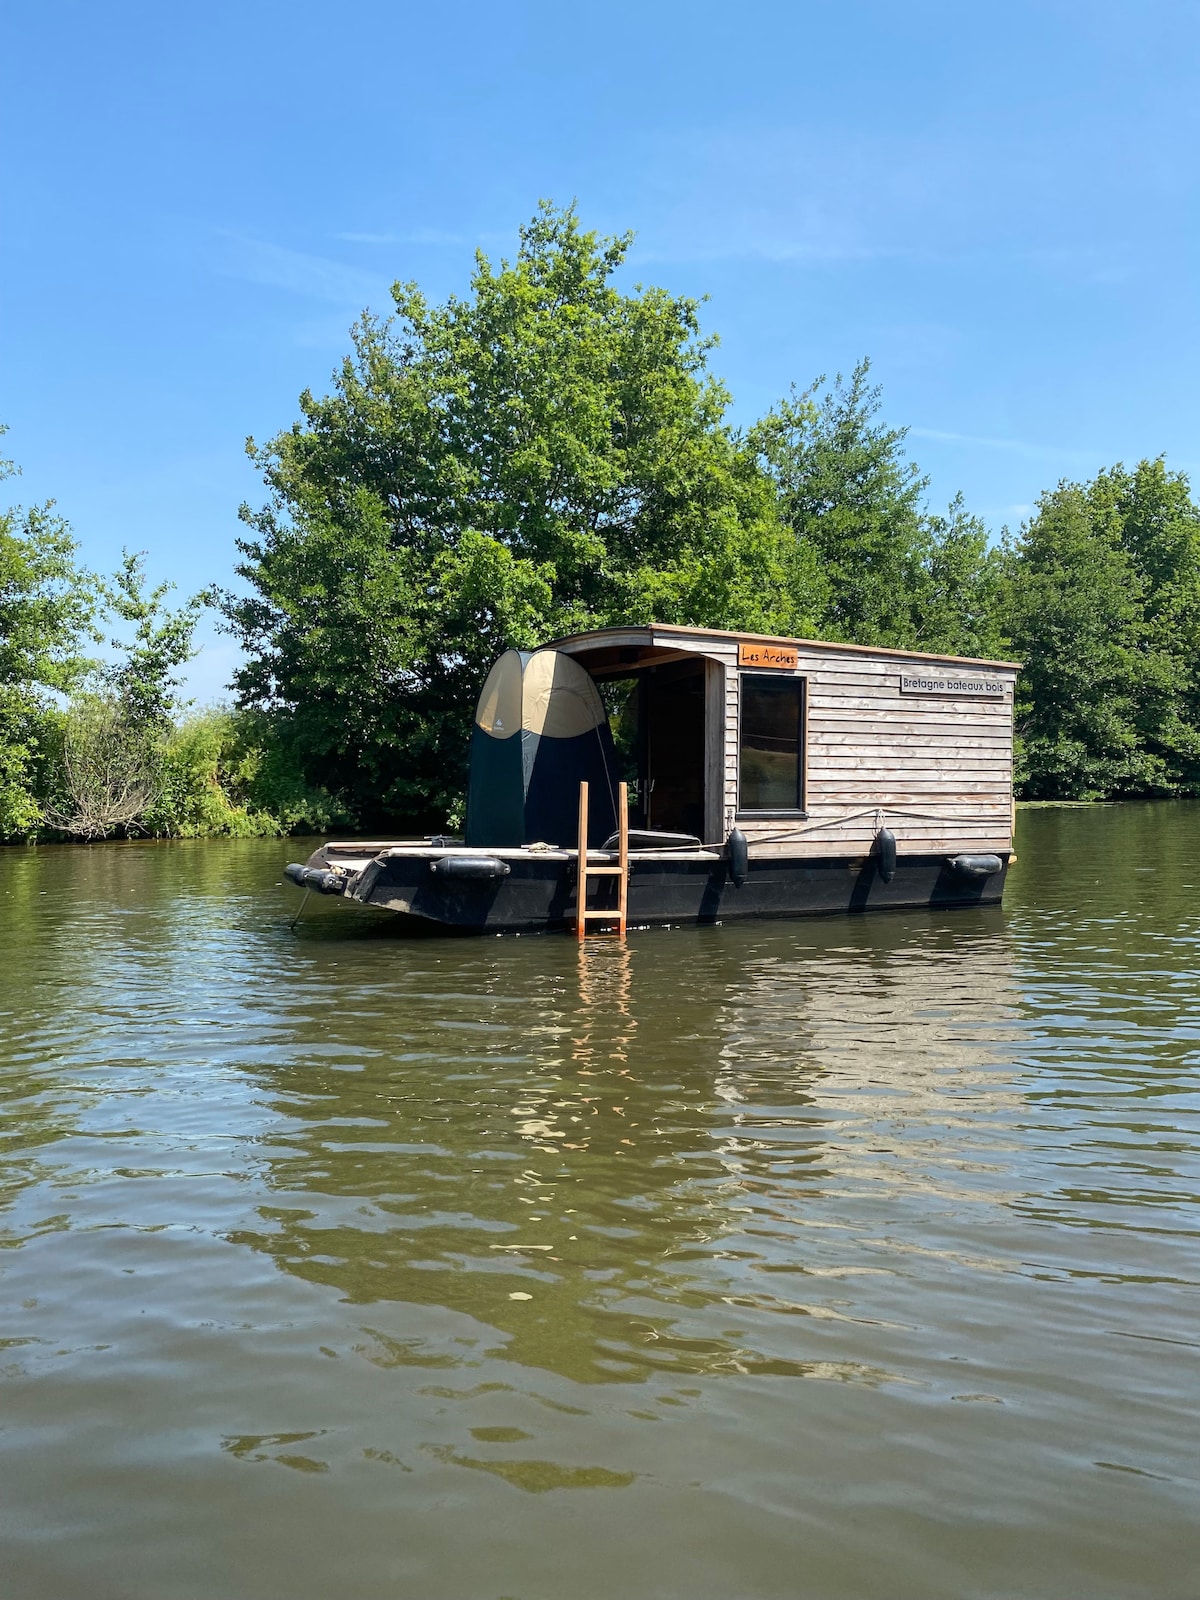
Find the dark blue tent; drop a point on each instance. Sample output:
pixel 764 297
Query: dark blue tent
pixel 540 730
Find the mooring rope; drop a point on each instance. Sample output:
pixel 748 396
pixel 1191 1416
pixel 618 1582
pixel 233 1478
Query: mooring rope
pixel 852 816
pixel 878 812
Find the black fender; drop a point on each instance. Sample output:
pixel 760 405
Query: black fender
pixel 470 869
pixel 974 866
pixel 319 879
pixel 885 854
pixel 737 848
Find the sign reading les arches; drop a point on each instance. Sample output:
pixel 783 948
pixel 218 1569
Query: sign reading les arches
pixel 767 655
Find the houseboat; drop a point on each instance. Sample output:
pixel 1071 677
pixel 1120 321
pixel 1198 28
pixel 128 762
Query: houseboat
pixel 664 775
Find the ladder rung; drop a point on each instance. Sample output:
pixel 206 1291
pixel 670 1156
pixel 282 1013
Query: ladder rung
pixel 585 870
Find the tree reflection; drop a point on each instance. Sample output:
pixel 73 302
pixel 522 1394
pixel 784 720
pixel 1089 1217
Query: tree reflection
pixel 603 1155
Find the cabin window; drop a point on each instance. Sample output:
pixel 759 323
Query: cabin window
pixel 771 744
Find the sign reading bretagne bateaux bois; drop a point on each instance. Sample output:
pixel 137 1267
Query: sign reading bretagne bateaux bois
pixel 766 655
pixel 946 682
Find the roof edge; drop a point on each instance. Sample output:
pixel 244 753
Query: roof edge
pixel 782 639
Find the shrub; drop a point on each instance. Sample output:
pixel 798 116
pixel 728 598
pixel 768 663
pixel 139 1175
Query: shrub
pixel 223 773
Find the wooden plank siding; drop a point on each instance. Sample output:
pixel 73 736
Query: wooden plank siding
pixel 868 746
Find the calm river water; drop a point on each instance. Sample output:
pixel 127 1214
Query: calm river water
pixel 848 1258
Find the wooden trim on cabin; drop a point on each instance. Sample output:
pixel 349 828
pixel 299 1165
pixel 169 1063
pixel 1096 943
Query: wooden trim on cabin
pixel 648 657
pixel 1012 772
pixel 741 812
pixel 804 699
pixel 714 749
pixel 770 816
pixel 645 635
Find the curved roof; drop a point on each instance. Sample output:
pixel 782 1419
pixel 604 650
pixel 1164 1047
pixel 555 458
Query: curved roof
pixel 545 692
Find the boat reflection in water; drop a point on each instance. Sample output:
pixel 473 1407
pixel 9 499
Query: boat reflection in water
pixel 848 1256
pixel 634 1137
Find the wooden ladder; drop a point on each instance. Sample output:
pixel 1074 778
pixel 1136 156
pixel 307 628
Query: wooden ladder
pixel 620 872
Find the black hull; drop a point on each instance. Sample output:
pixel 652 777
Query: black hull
pixel 538 896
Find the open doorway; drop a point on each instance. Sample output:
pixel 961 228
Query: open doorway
pixel 657 719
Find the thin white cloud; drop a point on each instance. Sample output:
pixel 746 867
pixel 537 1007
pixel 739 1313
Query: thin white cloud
pixel 1023 447
pixel 1005 516
pixel 809 196
pixel 741 246
pixel 315 277
pixel 782 195
pixel 1078 460
pixel 415 236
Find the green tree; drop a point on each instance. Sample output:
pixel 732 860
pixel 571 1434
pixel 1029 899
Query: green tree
pixel 110 775
pixel 1150 513
pixel 544 455
pixel 896 574
pixel 46 607
pixel 144 678
pixel 1101 706
pixel 956 610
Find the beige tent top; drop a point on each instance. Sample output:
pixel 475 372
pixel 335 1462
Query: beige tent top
pixel 543 693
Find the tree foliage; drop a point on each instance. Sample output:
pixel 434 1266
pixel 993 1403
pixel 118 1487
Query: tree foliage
pixel 96 748
pixel 46 607
pixel 107 775
pixel 143 678
pixel 893 573
pixel 223 773
pixel 547 453
pixel 1103 605
pixel 544 455
pixel 114 739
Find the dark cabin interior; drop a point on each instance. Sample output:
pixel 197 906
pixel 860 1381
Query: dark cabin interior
pixel 658 726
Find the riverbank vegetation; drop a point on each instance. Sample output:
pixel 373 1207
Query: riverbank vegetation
pixel 550 453
pixel 95 740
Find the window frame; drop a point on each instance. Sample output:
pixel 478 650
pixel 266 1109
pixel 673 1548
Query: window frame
pixel 743 812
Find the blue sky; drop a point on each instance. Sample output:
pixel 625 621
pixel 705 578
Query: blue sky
pixel 995 202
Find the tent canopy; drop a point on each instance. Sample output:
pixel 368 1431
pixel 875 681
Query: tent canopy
pixel 540 730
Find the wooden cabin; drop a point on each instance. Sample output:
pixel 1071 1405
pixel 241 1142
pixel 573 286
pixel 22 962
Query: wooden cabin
pixel 765 777
pixel 799 743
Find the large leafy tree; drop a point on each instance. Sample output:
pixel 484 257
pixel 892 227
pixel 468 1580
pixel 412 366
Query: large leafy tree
pixel 46 607
pixel 1150 513
pixel 548 453
pixel 1103 606
pixel 896 574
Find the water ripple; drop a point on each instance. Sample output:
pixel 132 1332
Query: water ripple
pixel 888 1226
